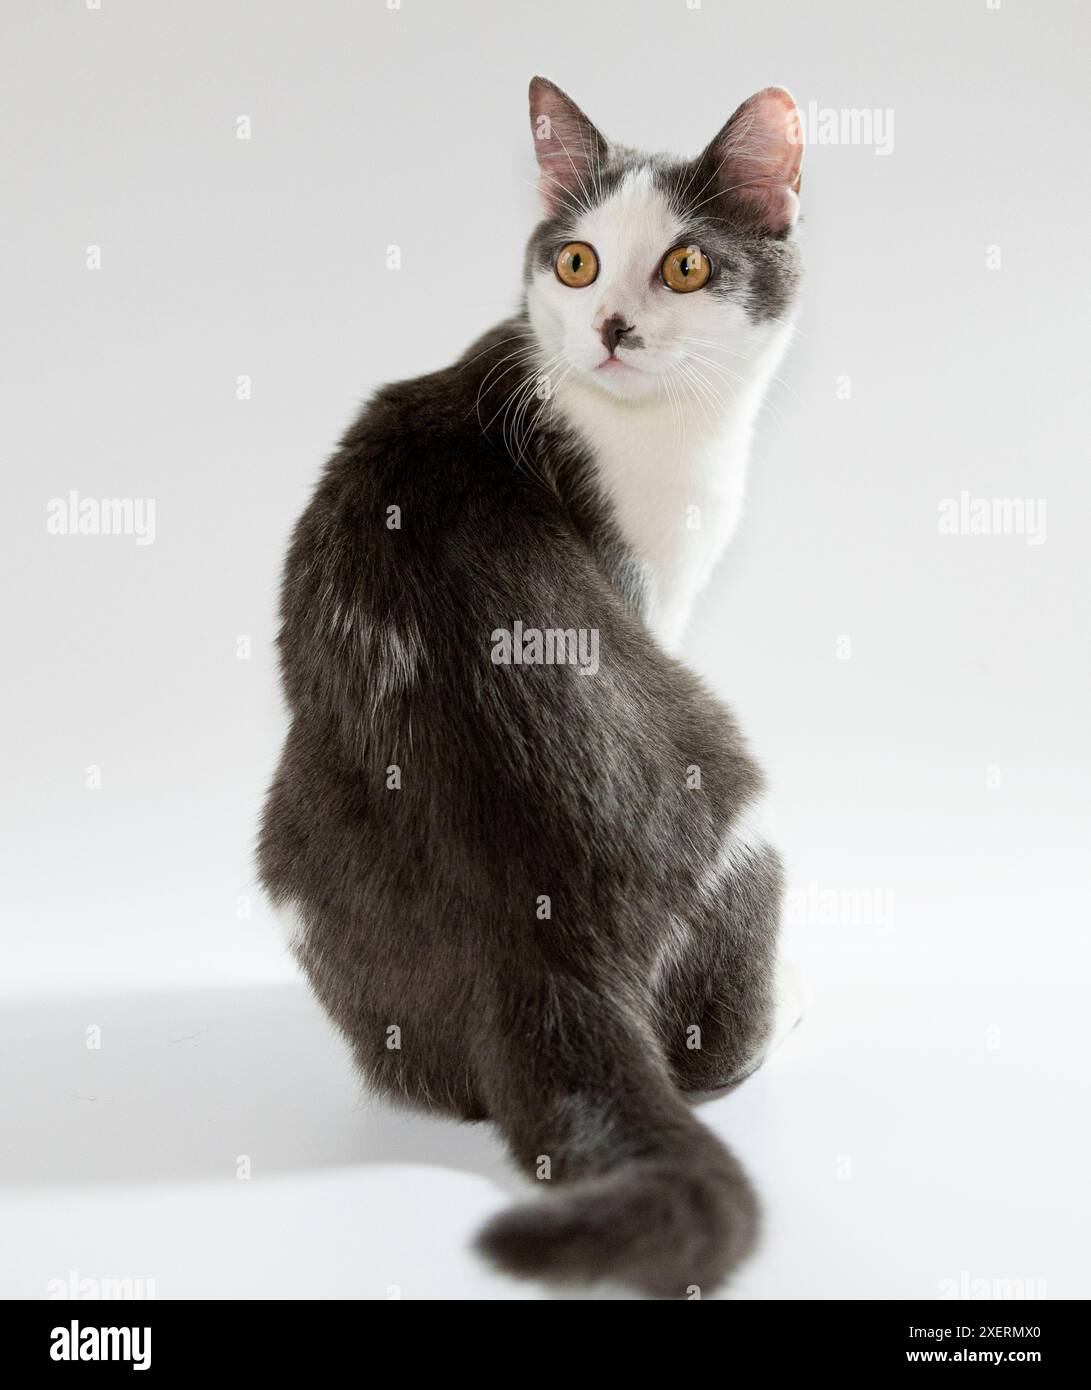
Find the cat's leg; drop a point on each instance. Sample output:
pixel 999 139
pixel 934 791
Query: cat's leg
pixel 410 1055
pixel 421 1076
pixel 716 982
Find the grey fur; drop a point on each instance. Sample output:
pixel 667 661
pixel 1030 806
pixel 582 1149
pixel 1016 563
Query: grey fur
pixel 421 905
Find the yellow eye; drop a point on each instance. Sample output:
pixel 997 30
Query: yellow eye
pixel 577 265
pixel 686 269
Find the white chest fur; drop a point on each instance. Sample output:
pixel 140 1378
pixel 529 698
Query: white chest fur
pixel 670 444
pixel 674 471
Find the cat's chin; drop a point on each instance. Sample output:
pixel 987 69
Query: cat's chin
pixel 622 382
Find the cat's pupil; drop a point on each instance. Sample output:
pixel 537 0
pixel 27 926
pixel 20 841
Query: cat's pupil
pixel 576 260
pixel 684 267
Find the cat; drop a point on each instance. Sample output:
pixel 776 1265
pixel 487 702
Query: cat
pixel 527 890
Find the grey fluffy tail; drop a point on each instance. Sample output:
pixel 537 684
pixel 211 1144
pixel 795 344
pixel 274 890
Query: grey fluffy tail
pixel 645 1194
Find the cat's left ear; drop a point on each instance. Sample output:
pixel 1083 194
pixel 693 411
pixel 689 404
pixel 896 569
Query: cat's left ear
pixel 756 160
pixel 568 147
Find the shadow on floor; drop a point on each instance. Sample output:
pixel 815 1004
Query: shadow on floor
pixel 186 1083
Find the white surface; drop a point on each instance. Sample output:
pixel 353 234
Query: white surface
pixel 964 1150
pixel 940 771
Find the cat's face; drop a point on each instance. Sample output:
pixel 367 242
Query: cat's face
pixel 650 275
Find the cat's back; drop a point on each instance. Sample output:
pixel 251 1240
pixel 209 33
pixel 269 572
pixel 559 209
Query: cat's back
pixel 415 461
pixel 424 481
pixel 422 531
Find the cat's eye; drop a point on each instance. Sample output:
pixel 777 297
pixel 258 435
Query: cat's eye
pixel 576 264
pixel 685 269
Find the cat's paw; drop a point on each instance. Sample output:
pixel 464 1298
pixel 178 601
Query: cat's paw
pixel 791 1000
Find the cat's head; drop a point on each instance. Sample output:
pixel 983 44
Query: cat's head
pixel 648 270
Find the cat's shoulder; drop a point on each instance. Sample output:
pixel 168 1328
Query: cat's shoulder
pixel 449 410
pixel 416 471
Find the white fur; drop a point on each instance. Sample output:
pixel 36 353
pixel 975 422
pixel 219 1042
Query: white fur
pixel 748 834
pixel 677 499
pixel 677 942
pixel 670 451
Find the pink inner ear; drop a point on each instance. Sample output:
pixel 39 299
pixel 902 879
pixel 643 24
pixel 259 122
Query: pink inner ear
pixel 566 145
pixel 760 156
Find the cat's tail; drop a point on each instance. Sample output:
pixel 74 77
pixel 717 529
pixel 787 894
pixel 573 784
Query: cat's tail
pixel 647 1195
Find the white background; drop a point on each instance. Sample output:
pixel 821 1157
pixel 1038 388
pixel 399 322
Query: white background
pixel 928 1122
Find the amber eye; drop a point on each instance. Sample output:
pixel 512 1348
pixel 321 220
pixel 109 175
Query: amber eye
pixel 686 269
pixel 577 265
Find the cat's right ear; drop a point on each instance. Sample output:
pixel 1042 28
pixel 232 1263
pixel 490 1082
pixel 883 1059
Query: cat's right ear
pixel 568 147
pixel 755 161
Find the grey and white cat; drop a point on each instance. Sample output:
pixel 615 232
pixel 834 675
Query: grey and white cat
pixel 531 888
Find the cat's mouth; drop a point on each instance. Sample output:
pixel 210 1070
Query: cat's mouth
pixel 621 379
pixel 613 364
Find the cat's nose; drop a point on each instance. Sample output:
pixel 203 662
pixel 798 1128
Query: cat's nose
pixel 613 330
